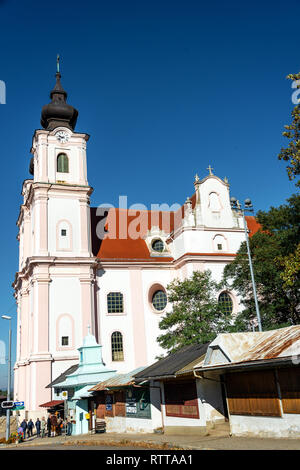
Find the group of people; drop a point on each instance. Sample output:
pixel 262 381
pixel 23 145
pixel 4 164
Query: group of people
pixel 51 427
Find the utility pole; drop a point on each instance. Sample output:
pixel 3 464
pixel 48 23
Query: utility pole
pixel 236 206
pixel 7 433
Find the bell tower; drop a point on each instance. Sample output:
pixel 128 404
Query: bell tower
pixel 54 286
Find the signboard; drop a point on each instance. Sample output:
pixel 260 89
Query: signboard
pixel 19 405
pixel 64 394
pixel 138 403
pixel 131 408
pixel 7 404
pixel 108 402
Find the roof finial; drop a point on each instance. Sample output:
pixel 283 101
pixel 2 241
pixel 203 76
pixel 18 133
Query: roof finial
pixel 57 63
pixel 210 170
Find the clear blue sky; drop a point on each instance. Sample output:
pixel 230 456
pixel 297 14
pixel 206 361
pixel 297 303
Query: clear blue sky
pixel 163 87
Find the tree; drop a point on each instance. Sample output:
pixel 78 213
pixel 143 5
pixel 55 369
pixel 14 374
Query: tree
pixel 291 153
pixel 278 289
pixel 196 315
pixel 291 262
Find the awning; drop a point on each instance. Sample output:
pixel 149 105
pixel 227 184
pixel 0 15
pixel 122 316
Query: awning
pixel 83 393
pixel 51 404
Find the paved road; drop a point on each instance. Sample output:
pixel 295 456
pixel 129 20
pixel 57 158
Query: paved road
pixel 116 441
pixel 61 447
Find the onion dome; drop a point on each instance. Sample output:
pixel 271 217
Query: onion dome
pixel 58 113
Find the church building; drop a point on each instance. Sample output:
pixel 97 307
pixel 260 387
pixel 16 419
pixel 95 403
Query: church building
pixel 84 269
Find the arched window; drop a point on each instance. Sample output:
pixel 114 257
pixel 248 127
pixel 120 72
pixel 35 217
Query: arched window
pixel 159 300
pixel 220 243
pixel 117 346
pixel 226 303
pixel 62 163
pixel 115 302
pixel 65 330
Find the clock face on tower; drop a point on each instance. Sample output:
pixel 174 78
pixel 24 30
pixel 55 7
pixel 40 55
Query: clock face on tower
pixel 62 136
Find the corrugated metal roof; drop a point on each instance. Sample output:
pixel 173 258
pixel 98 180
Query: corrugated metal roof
pixel 118 380
pixel 277 343
pixel 175 362
pixel 257 346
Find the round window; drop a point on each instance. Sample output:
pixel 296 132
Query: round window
pixel 225 302
pixel 159 300
pixel 158 245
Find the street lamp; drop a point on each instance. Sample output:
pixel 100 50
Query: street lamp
pixel 236 206
pixel 6 317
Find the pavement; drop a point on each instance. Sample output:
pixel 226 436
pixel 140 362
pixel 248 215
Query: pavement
pixel 158 441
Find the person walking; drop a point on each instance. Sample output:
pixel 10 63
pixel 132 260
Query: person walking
pixel 69 426
pixel 24 427
pixel 49 425
pixel 30 427
pixel 53 425
pixel 59 425
pixel 43 426
pixel 38 427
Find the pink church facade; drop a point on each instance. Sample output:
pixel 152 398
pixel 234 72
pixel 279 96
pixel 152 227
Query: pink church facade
pixel 69 279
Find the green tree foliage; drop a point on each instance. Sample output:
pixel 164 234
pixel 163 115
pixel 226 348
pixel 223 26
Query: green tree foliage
pixel 196 315
pixel 279 295
pixel 291 153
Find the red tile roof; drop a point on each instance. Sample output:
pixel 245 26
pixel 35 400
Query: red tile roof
pixel 252 224
pixel 121 245
pixel 117 243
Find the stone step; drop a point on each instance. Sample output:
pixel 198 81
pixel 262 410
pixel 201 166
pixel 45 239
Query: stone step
pixel 218 429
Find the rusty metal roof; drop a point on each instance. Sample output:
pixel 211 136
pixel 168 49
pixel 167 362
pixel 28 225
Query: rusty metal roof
pixel 118 380
pixel 275 343
pixel 241 348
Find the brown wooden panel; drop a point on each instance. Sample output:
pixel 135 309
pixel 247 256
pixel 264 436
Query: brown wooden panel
pixel 100 413
pixel 181 399
pixel 190 410
pixel 289 381
pixel 173 410
pixel 100 405
pixel 119 405
pixel 253 393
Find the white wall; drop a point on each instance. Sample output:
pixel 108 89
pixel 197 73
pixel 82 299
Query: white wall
pixel 65 298
pixel 116 280
pixel 210 396
pixel 63 209
pixel 131 425
pixel 261 426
